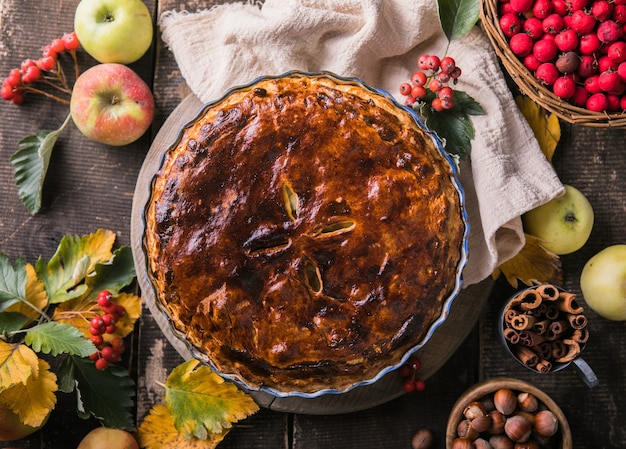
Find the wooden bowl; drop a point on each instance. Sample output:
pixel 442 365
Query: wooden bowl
pixel 563 438
pixel 529 86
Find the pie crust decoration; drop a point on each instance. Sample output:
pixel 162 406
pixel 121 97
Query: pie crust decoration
pixel 304 233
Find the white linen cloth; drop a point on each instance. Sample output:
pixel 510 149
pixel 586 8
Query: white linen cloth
pixel 379 41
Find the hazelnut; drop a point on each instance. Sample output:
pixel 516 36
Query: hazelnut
pixel 474 410
pixel 465 430
pixel 527 402
pixel 423 439
pixel 501 442
pixel 530 444
pixel 505 401
pixel 518 428
pixel 497 422
pixel 481 423
pixel 462 443
pixel 546 423
pixel 481 443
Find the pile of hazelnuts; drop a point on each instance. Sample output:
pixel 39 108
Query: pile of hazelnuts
pixel 507 419
pixel 575 48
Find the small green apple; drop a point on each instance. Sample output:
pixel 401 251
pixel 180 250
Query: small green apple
pixel 114 30
pixel 563 224
pixel 108 438
pixel 111 104
pixel 603 283
pixel 11 427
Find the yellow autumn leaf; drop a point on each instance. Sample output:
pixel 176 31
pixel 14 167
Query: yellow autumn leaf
pixel 98 246
pixel 35 295
pixel 545 126
pixel 33 400
pixel 157 431
pixel 17 364
pixel 532 265
pixel 78 313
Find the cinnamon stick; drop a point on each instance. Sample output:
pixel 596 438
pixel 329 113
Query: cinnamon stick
pixel 527 356
pixel 567 303
pixel 548 292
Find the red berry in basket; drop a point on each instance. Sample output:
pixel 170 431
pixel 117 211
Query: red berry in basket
pixel 575 5
pixel 559 7
pixel 568 62
pixel 564 87
pixel 533 27
pixel 614 103
pixel 621 71
pixel 619 13
pixel 531 63
pixel 602 10
pixel 605 63
pixel 521 5
pixel 405 89
pixel 510 24
pixel 545 50
pixel 418 78
pixel 611 83
pixel 592 85
pixel 521 44
pixel 609 31
pixel 597 102
pixel 588 66
pixel 566 40
pixel 617 52
pixel 542 8
pixel 622 103
pixel 553 24
pixel 580 96
pixel 582 22
pixel 589 44
pixel 547 74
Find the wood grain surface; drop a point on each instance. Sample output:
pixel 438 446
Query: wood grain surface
pixel 92 186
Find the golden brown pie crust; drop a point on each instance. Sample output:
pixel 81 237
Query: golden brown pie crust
pixel 303 233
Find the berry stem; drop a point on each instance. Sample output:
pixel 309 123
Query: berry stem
pixel 46 94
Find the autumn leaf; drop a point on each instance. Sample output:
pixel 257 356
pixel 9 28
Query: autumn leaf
pixel 157 431
pixel 202 402
pixel 58 338
pixel 532 265
pixel 545 126
pixel 75 258
pixel 35 298
pixel 17 364
pixel 33 400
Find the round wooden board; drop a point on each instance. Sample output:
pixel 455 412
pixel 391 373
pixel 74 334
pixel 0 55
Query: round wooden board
pixel 464 312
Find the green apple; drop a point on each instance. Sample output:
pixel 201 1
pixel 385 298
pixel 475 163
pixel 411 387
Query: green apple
pixel 111 104
pixel 108 438
pixel 114 30
pixel 603 283
pixel 11 428
pixel 563 224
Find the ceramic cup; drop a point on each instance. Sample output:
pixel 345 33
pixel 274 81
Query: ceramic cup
pixel 534 309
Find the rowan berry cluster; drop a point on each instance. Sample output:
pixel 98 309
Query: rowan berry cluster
pixel 105 323
pixel 410 380
pixel 46 70
pixel 431 83
pixel 576 48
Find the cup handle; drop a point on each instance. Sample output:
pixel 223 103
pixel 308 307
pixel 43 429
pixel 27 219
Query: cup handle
pixel 586 373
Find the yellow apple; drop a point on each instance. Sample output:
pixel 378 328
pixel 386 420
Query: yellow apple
pixel 563 224
pixel 108 438
pixel 11 428
pixel 603 283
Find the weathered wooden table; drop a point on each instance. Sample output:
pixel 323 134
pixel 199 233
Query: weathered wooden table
pixel 91 186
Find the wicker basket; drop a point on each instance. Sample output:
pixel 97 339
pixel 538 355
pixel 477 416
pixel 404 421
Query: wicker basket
pixel 529 86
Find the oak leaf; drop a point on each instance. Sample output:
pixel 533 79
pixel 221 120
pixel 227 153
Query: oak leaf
pixel 532 265
pixel 18 363
pixel 544 125
pixel 157 431
pixel 202 402
pixel 34 400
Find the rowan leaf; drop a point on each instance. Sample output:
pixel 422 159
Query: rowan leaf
pixel 58 338
pixel 107 395
pixel 157 431
pixel 75 258
pixel 33 400
pixel 202 402
pixel 532 265
pixel 545 126
pixel 30 165
pixel 457 17
pixel 35 299
pixel 17 364
pixel 12 282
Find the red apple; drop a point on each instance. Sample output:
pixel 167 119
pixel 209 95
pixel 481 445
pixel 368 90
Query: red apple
pixel 111 104
pixel 108 438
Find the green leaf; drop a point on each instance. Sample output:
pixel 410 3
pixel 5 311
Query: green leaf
pixel 107 395
pixel 30 165
pixel 12 321
pixel 457 17
pixel 57 338
pixel 454 126
pixel 12 282
pixel 115 274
